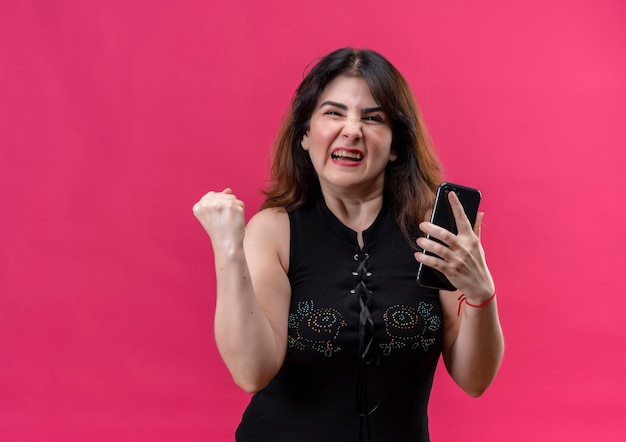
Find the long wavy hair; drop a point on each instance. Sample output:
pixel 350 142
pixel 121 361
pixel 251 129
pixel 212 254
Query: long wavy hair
pixel 410 181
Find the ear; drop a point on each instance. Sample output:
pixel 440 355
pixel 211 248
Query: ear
pixel 305 141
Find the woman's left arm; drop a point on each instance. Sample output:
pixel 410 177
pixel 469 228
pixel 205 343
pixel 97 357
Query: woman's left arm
pixel 473 343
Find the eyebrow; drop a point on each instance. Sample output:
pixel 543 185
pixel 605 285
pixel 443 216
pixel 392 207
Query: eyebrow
pixel 367 110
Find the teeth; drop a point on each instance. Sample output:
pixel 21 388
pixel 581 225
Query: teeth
pixel 350 155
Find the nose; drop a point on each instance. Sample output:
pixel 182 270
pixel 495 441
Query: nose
pixel 352 129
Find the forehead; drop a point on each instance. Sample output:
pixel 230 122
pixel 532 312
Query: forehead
pixel 348 90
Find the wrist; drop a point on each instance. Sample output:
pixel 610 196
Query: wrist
pixel 228 250
pixel 475 305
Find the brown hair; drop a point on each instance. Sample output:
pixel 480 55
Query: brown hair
pixel 410 181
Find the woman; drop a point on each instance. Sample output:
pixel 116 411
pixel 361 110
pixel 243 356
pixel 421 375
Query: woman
pixel 318 312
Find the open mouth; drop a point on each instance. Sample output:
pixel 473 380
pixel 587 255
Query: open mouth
pixel 347 155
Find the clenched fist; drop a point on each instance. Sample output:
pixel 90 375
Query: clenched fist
pixel 222 216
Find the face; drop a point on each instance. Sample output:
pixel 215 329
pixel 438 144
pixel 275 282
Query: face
pixel 349 138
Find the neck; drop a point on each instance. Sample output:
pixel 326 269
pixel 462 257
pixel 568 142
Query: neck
pixel 356 213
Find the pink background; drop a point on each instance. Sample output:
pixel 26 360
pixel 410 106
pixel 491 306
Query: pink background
pixel 116 116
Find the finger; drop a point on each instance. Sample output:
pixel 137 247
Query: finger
pixel 429 260
pixel 437 232
pixel 462 222
pixel 441 250
pixel 200 203
pixel 227 190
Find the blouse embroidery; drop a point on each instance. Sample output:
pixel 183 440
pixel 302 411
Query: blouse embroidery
pixel 315 328
pixel 410 326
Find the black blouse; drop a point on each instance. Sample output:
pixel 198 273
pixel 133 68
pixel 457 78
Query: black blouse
pixel 364 339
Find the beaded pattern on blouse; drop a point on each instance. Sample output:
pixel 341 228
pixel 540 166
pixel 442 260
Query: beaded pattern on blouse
pixel 410 326
pixel 315 328
pixel 405 326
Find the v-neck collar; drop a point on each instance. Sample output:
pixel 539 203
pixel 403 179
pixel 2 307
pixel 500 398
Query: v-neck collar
pixel 346 233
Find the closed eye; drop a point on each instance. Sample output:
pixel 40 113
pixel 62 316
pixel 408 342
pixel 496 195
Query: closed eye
pixel 374 118
pixel 332 112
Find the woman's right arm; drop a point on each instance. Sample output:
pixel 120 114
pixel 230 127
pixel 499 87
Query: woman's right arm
pixel 253 291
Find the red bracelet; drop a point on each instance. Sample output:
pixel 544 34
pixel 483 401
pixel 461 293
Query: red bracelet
pixel 464 298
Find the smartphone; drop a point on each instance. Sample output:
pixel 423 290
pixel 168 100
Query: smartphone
pixel 442 216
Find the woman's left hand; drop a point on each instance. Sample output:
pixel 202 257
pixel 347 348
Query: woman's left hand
pixel 463 261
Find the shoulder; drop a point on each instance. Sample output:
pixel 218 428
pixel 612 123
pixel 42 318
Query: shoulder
pixel 267 220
